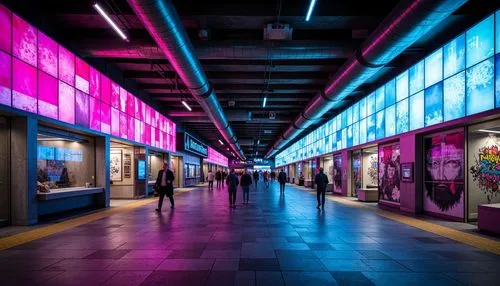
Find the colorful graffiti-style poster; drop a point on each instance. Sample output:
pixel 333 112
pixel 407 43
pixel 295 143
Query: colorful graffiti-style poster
pixel 444 174
pixel 486 170
pixel 388 173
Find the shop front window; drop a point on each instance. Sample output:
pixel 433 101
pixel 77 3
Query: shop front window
pixel 388 173
pixel 65 161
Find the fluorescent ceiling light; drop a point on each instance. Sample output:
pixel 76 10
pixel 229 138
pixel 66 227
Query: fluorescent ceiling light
pixel 311 8
pixel 489 131
pixel 186 105
pixel 264 102
pixel 110 22
pixel 258 141
pixel 221 143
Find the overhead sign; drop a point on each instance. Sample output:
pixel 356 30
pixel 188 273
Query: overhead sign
pixel 194 145
pixel 234 163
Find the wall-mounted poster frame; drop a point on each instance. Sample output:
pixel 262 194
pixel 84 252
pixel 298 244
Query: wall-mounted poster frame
pixel 407 172
pixel 389 173
pixel 115 165
pixel 127 166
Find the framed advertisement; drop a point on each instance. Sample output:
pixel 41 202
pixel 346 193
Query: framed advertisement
pixel 407 172
pixel 127 166
pixel 115 165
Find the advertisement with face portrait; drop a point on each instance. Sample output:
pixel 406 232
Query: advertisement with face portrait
pixel 388 173
pixel 444 174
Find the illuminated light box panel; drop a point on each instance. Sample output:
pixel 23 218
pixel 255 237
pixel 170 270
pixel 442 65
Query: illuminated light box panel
pixel 38 75
pixel 216 158
pixel 459 79
pixel 82 76
pixel 5 78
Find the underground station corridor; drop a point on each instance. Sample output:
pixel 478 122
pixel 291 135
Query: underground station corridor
pixel 276 239
pixel 148 142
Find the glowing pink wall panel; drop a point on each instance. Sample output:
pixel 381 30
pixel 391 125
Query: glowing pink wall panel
pixel 105 118
pixel 216 158
pixel 5 29
pixel 47 54
pixel 47 95
pixel 66 66
pixel 115 122
pixel 152 134
pixel 123 125
pixel 95 114
pixel 148 134
pixel 82 75
pixel 105 90
pixel 131 127
pixel 95 83
pixel 5 78
pixel 147 117
pixel 157 137
pixel 24 40
pixel 143 132
pixel 123 99
pixel 67 103
pixel 130 104
pixel 82 108
pixel 137 129
pixel 138 107
pixel 115 95
pixel 24 87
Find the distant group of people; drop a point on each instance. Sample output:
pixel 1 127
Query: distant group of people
pixel 165 179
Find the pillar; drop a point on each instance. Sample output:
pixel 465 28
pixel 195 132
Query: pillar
pixel 24 131
pixel 102 157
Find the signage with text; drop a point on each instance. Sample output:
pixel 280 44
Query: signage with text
pixel 193 145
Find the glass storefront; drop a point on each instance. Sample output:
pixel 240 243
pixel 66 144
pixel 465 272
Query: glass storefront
pixel 64 160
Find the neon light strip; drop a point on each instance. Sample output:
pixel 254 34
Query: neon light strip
pixel 111 22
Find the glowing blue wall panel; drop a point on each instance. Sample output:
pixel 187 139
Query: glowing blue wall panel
pixel 402 122
pixel 433 104
pixel 402 86
pixel 480 87
pixel 390 121
pixel 417 111
pixel 390 92
pixel 380 99
pixel 497 76
pixel 454 97
pixel 434 68
pixel 416 77
pixel 454 56
pixel 380 123
pixel 370 126
pixel 480 42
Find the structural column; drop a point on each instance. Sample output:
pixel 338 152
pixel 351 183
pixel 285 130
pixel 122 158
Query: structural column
pixel 102 158
pixel 24 131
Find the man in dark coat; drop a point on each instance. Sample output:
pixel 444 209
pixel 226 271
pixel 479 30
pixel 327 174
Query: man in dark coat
pixel 321 181
pixel 282 181
pixel 165 186
pixel 232 186
pixel 245 182
pixel 255 177
pixel 218 178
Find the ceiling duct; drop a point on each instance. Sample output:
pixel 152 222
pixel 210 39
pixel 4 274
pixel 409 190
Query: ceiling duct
pixel 277 32
pixel 165 27
pixel 407 22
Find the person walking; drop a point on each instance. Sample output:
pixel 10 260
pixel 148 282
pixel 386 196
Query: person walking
pixel 282 181
pixel 165 186
pixel 321 181
pixel 273 176
pixel 210 177
pixel 255 178
pixel 218 177
pixel 245 182
pixel 232 186
pixel 266 179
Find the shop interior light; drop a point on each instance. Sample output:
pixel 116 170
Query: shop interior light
pixel 110 21
pixel 489 131
pixel 258 141
pixel 311 8
pixel 186 105
pixel 221 143
pixel 264 102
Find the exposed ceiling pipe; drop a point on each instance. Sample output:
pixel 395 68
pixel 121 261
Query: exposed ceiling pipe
pixel 164 25
pixel 408 21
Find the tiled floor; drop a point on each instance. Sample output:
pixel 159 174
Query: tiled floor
pixel 275 240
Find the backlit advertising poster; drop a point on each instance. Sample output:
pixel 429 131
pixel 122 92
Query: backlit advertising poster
pixel 454 97
pixel 123 126
pixel 115 122
pixel 131 127
pixel 444 174
pixel 24 86
pixel 123 99
pixel 434 104
pixel 402 113
pixel 105 90
pixel 82 75
pixel 47 95
pixel 454 56
pixel 389 173
pixel 115 95
pixel 416 111
pixel 480 87
pixel 24 41
pixel 337 173
pixel 105 118
pixel 480 42
pixel 5 78
pixel 95 83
